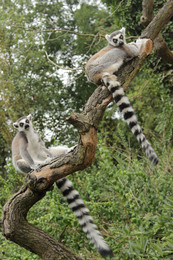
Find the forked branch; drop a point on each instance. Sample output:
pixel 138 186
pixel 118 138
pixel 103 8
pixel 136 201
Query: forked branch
pixel 160 46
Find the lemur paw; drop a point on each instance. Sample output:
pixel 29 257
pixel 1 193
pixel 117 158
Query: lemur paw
pixel 36 168
pixel 105 77
pixel 48 160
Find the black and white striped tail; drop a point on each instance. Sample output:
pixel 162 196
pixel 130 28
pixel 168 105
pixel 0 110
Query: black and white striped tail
pixel 128 112
pixel 76 204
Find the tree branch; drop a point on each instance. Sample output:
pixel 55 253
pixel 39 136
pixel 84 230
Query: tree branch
pixel 147 12
pixel 14 224
pixel 160 46
pixel 17 228
pixel 162 49
pixel 60 66
pixel 159 21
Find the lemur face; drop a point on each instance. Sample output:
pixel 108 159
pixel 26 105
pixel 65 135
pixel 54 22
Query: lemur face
pixel 117 38
pixel 23 123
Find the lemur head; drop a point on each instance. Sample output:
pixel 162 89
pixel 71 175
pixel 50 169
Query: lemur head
pixel 23 123
pixel 117 38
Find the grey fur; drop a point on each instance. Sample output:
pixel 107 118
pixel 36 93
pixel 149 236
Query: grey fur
pixel 28 150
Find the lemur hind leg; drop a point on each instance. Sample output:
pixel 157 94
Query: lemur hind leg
pixel 23 166
pixel 60 150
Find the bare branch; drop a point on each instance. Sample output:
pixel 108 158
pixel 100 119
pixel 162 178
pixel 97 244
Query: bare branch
pixel 53 30
pixel 59 66
pixel 116 9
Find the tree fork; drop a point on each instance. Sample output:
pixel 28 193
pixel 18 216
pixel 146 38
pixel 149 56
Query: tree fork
pixel 160 46
pixel 14 224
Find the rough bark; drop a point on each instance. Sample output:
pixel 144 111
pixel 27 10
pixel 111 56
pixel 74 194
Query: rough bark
pixel 160 46
pixel 14 224
pixel 159 21
pixel 147 12
pixel 162 50
pixel 17 228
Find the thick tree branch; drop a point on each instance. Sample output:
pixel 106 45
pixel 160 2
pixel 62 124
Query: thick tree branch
pixel 159 21
pixel 14 223
pixel 147 12
pixel 17 228
pixel 162 49
pixel 160 46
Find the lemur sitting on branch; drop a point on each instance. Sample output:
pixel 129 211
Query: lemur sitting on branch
pixel 29 153
pixel 101 68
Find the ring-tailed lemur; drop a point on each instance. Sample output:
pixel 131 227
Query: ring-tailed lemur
pixel 103 65
pixel 29 152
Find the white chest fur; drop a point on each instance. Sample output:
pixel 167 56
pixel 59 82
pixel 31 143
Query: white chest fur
pixel 35 147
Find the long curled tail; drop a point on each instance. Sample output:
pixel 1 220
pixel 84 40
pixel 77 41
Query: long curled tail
pixel 128 112
pixel 76 204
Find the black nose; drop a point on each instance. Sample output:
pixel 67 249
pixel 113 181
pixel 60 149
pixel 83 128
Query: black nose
pixel 26 126
pixel 121 43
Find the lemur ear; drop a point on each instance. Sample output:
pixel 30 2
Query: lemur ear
pixel 123 29
pixel 29 116
pixel 15 125
pixel 107 36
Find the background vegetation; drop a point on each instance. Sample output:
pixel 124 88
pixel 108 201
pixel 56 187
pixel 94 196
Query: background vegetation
pixel 130 200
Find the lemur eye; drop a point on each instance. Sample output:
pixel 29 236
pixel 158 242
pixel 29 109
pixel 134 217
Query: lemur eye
pixel 121 36
pixel 21 124
pixel 115 40
pixel 27 121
